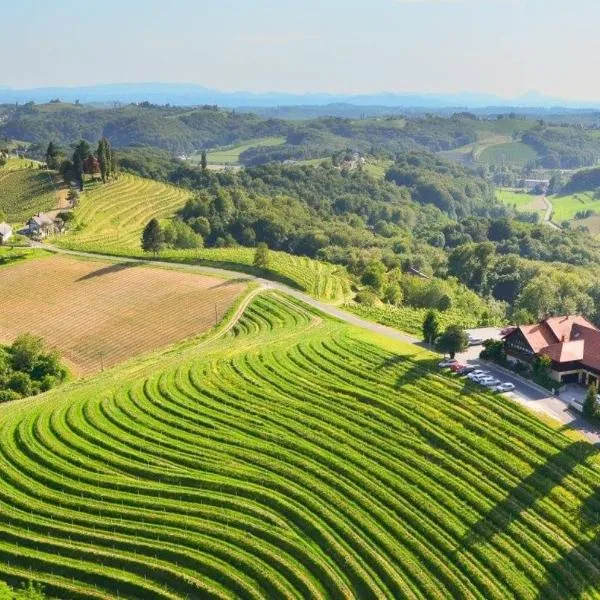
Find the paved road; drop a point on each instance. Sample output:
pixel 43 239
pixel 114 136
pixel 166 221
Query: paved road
pixel 534 397
pixel 526 394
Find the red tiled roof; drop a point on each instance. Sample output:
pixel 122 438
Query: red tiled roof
pixel 564 352
pixel 538 336
pixel 591 354
pixel 565 339
pixel 562 327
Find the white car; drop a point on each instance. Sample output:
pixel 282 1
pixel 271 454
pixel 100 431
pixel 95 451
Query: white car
pixel 505 387
pixel 475 341
pixel 492 383
pixel 447 362
pixel 486 379
pixel 476 375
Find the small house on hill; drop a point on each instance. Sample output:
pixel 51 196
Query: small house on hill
pixel 5 233
pixel 571 343
pixel 41 225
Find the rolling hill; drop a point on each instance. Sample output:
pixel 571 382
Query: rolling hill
pixel 292 457
pixel 24 192
pixel 111 218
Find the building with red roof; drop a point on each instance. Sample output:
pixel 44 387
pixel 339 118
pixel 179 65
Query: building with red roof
pixel 571 343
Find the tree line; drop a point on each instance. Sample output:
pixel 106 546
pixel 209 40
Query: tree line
pixel 101 162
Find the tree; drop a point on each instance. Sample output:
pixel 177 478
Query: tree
pixel 453 340
pixel 52 156
pixel 541 365
pixel 203 160
pixel 261 256
pixel 590 407
pixel 431 327
pixel 25 352
pixel 80 155
pixel 374 275
pixel 106 159
pixel 152 237
pixel 392 294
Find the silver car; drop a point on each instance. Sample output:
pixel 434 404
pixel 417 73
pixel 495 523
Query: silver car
pixel 477 375
pixel 505 387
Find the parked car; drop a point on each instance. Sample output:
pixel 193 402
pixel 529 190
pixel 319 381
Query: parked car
pixel 468 369
pixel 485 379
pixel 492 383
pixel 456 367
pixel 504 387
pixel 447 362
pixel 475 341
pixel 475 375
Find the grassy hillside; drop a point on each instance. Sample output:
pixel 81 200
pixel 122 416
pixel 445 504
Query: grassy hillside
pixel 511 153
pixel 114 214
pixel 566 207
pixel 111 218
pixel 410 319
pixel 231 155
pixel 295 457
pixel 25 192
pixel 521 201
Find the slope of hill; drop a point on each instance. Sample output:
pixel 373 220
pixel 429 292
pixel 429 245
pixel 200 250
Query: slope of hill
pixel 294 457
pixel 24 192
pixel 111 218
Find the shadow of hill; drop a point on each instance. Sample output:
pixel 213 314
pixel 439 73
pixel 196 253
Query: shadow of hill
pixel 582 563
pixel 534 487
pixel 414 368
pixel 116 268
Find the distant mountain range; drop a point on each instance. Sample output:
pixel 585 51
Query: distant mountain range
pixel 189 94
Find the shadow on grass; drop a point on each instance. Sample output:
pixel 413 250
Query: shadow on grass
pixel 229 282
pixel 578 569
pixel 529 490
pixel 414 368
pixel 109 270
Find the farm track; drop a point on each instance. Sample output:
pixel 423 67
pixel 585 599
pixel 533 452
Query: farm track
pixel 291 458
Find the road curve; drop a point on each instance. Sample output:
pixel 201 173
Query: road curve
pixel 551 406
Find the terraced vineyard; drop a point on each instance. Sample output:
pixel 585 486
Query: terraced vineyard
pixel 410 319
pixel 112 218
pixel 25 192
pixel 293 457
pixel 114 215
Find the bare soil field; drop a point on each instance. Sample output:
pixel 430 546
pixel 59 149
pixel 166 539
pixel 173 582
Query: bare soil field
pixel 98 314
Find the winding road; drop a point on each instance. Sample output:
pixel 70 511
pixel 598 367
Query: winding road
pixel 525 393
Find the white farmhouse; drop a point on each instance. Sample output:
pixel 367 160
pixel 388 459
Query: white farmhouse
pixel 41 225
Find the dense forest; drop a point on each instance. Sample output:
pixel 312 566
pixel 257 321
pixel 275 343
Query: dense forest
pixel 423 214
pixel 427 215
pixel 181 130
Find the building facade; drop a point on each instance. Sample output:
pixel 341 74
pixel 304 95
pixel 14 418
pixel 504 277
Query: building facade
pixel 571 343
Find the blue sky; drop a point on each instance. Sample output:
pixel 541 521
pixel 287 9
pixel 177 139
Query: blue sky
pixel 504 47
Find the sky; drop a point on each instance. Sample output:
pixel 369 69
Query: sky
pixel 502 47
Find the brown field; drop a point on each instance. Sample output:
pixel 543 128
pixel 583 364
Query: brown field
pixel 99 314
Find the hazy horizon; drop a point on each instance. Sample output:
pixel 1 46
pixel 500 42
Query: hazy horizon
pixel 504 48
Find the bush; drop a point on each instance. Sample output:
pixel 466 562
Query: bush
pixel 6 396
pixel 366 298
pixel 26 368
